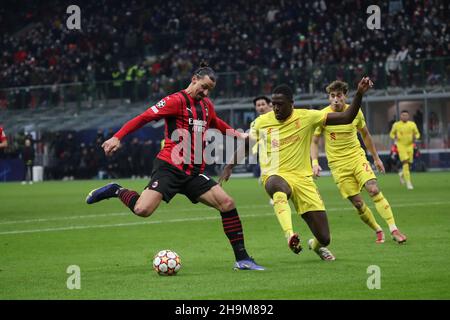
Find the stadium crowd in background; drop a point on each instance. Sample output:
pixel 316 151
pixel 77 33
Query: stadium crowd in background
pixel 64 157
pixel 121 41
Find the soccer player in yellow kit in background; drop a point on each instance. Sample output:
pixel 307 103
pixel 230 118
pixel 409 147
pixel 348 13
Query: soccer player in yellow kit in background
pixel 404 132
pixel 284 138
pixel 347 160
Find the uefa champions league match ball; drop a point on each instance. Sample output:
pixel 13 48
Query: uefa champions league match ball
pixel 166 263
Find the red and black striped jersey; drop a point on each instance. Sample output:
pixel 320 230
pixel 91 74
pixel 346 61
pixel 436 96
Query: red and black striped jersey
pixel 2 135
pixel 187 121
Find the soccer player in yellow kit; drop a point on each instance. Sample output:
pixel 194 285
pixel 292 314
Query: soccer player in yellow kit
pixel 404 132
pixel 348 163
pixel 284 138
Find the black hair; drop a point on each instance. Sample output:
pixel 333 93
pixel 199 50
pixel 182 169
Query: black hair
pixel 205 70
pixel 285 90
pixel 405 111
pixel 261 98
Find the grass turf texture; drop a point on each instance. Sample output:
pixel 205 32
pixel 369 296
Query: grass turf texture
pixel 46 227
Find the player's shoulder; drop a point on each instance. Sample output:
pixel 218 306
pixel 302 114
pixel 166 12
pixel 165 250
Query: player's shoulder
pixel 327 109
pixel 171 99
pixel 266 117
pixel 308 113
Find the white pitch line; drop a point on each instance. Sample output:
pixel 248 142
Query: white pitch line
pixel 97 226
pixel 90 216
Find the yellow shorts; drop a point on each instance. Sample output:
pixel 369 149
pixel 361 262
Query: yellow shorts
pixel 405 153
pixel 304 193
pixel 351 177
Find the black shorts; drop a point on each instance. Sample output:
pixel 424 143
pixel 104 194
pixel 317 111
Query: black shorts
pixel 169 180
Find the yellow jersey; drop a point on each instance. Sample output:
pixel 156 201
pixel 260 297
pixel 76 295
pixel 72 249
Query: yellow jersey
pixel 284 146
pixel 341 141
pixel 405 132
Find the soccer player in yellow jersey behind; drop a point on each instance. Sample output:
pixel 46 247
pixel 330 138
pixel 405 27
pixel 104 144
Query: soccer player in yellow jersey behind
pixel 404 132
pixel 347 160
pixel 284 138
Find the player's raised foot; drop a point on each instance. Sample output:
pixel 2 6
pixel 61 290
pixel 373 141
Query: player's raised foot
pixel 294 243
pixel 409 186
pixel 323 252
pixel 105 192
pixel 380 236
pixel 247 264
pixel 398 237
pixel 400 174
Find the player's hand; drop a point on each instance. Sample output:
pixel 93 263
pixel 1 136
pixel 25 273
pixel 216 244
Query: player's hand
pixel 316 170
pixel 111 145
pixel 244 135
pixel 226 174
pixel 380 166
pixel 364 85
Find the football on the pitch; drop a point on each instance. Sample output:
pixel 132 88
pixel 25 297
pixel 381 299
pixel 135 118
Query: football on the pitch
pixel 167 263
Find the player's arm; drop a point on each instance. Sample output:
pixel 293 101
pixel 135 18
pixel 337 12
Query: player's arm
pixel 346 117
pixel 166 107
pixel 225 128
pixel 368 141
pixel 393 133
pixel 416 132
pixel 315 155
pixel 240 154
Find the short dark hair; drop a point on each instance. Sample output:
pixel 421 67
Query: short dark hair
pixel 285 90
pixel 261 98
pixel 205 70
pixel 337 86
pixel 405 111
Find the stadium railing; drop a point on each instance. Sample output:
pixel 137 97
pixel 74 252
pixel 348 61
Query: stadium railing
pixel 255 81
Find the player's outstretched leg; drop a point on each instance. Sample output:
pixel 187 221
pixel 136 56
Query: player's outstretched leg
pixel 216 197
pixel 318 224
pixel 111 190
pixel 141 205
pixel 384 209
pixel 280 191
pixel 366 216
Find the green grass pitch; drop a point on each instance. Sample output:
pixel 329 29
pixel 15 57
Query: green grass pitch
pixel 46 227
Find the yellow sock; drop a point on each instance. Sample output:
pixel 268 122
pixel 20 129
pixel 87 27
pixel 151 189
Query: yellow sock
pixel 406 173
pixel 367 217
pixel 384 209
pixel 315 245
pixel 283 212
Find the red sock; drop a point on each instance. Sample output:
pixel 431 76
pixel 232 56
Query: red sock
pixel 129 198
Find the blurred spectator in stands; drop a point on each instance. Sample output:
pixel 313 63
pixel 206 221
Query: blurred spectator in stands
pixel 134 158
pixel 418 119
pixel 392 67
pixel 27 155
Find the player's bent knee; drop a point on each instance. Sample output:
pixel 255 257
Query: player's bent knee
pixel 227 204
pixel 358 204
pixel 142 211
pixel 373 191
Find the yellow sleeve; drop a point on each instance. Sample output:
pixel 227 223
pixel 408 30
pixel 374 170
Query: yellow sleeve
pixel 318 118
pixel 361 121
pixel 318 131
pixel 254 129
pixel 393 132
pixel 416 132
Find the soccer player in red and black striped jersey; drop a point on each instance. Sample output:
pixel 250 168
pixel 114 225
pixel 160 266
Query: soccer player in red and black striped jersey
pixel 179 166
